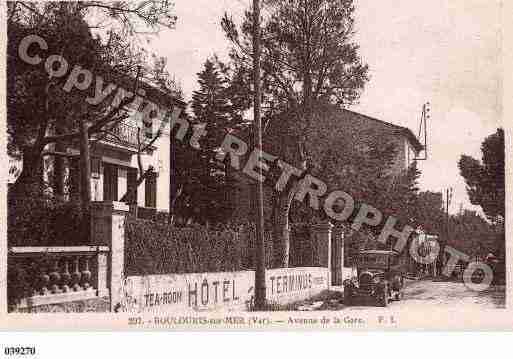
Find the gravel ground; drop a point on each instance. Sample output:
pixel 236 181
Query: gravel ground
pixel 454 294
pixel 426 293
pixel 447 294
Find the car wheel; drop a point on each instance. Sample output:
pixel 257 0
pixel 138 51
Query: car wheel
pixel 348 296
pixel 383 300
pixel 383 297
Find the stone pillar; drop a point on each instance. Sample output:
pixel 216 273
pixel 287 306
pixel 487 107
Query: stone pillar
pixel 102 275
pixel 108 229
pixel 337 255
pixel 321 238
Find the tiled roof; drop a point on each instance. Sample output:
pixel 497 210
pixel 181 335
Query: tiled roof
pixel 404 130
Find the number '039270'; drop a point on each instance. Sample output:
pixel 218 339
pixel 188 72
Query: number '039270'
pixel 19 351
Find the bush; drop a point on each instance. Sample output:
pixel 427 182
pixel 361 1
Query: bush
pixel 247 233
pixel 158 248
pixel 21 278
pixel 44 222
pixel 302 249
pixel 18 283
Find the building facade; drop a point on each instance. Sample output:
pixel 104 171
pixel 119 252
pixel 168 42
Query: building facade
pixel 331 126
pixel 115 157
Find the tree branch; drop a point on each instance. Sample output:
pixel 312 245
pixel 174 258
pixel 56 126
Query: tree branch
pixel 153 140
pixel 97 126
pixel 139 159
pixel 108 131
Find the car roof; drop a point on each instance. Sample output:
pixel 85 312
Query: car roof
pixel 376 251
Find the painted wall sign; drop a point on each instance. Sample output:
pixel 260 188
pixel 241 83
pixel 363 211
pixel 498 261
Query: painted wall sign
pixel 219 291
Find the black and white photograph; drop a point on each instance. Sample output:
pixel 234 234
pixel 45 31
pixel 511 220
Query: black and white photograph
pixel 254 164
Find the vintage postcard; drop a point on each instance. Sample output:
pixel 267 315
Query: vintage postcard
pixel 254 164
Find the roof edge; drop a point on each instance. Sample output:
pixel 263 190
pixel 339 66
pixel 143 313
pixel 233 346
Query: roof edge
pixel 407 132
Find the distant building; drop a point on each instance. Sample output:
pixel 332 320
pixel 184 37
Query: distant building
pixel 331 122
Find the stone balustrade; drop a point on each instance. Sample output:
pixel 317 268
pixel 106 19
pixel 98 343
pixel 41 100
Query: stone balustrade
pixel 57 274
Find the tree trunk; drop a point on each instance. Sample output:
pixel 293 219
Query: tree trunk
pixel 58 168
pixel 291 152
pixel 131 193
pixel 281 228
pixel 30 181
pixel 85 168
pixel 85 180
pixel 58 177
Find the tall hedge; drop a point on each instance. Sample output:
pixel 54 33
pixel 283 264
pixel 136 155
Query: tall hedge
pixel 44 222
pixel 159 248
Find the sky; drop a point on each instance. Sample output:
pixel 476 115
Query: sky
pixel 447 53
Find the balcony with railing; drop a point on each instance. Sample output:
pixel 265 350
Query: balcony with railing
pixel 123 134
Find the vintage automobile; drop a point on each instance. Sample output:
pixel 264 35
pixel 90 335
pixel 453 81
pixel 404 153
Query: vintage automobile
pixel 379 278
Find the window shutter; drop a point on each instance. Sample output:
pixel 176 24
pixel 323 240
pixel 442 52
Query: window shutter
pixel 132 186
pixel 95 167
pixel 106 182
pixel 110 182
pixel 74 178
pixel 151 190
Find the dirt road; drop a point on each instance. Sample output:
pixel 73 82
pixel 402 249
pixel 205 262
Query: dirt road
pixel 446 294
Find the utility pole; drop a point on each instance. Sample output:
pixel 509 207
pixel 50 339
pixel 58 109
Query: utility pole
pixel 259 190
pixel 426 109
pixel 448 200
pixel 447 203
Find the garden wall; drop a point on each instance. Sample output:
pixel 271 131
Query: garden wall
pixel 130 265
pixel 219 291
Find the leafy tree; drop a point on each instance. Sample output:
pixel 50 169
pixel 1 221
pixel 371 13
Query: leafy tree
pixel 365 171
pixel 470 233
pixel 429 214
pixel 485 179
pixel 210 104
pixel 218 107
pixel 40 113
pixel 307 56
pixel 199 187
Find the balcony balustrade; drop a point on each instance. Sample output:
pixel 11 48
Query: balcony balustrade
pixel 124 134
